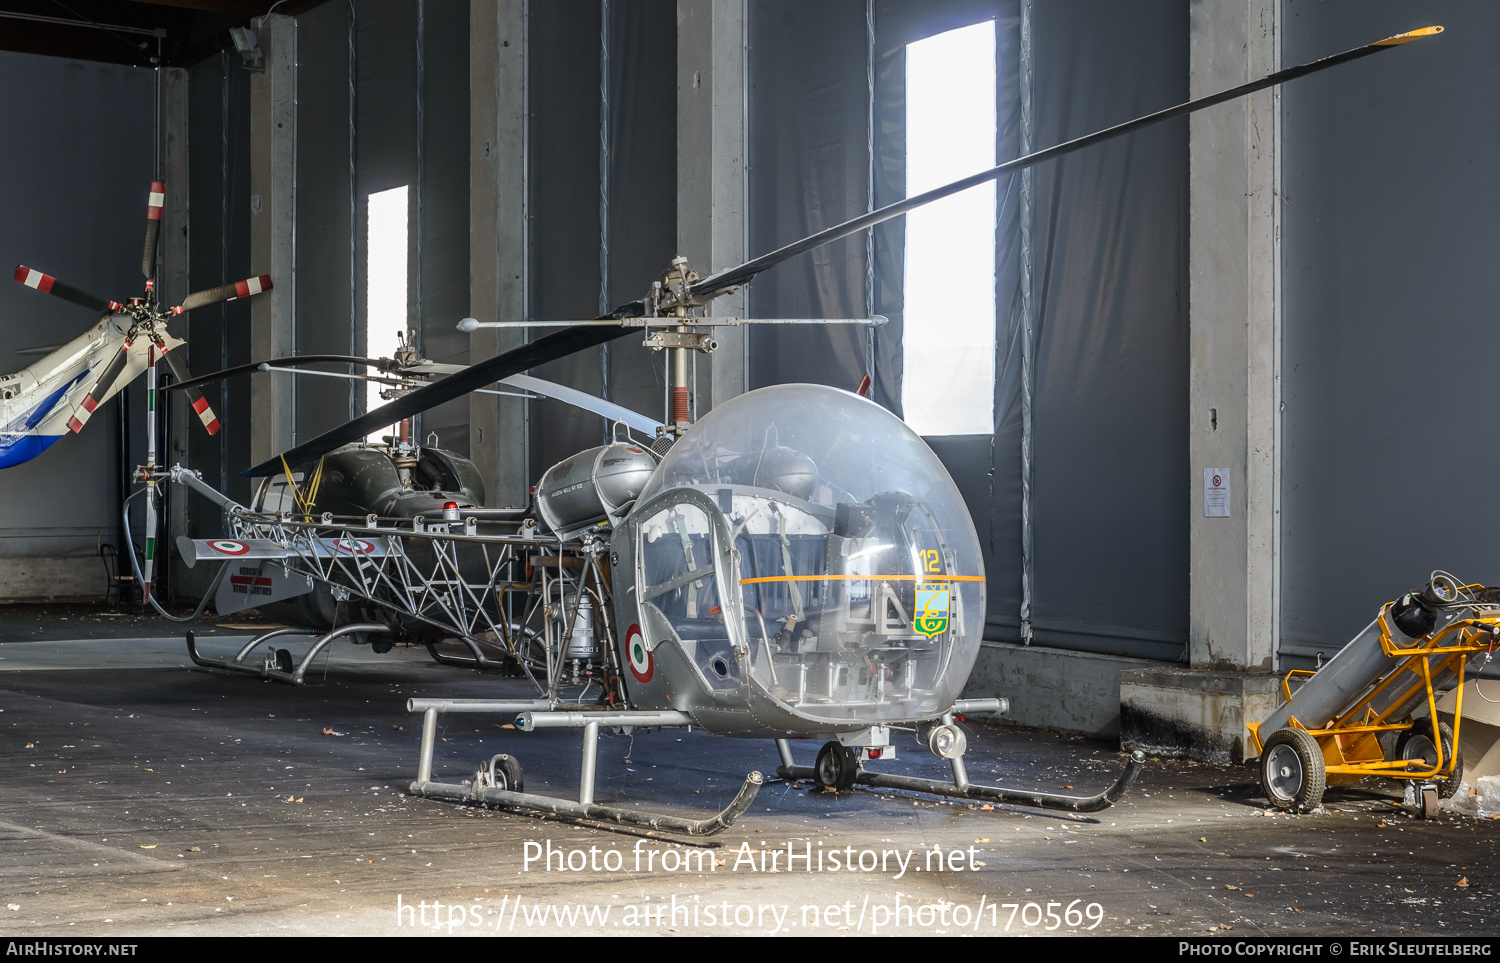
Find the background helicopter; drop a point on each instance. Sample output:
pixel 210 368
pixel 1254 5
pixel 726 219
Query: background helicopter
pixel 59 393
pixel 798 563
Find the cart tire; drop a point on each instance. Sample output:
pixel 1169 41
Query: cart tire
pixel 506 773
pixel 1430 805
pixel 1417 744
pixel 1292 774
pixel 836 768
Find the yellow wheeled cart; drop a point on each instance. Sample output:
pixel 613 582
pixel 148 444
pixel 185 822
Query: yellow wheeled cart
pixel 1353 717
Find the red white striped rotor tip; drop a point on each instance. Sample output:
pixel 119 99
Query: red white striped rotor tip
pixel 155 200
pixel 33 278
pixel 255 285
pixel 206 415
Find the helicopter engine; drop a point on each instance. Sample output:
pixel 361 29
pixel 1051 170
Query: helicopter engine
pixel 398 481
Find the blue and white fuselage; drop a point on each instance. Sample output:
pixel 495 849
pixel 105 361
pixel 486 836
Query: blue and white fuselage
pixel 37 401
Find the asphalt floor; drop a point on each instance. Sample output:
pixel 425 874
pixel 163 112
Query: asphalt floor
pixel 149 796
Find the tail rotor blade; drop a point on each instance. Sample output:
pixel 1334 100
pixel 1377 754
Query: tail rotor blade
pixel 153 227
pixel 47 284
pixel 100 389
pixel 225 292
pixel 195 397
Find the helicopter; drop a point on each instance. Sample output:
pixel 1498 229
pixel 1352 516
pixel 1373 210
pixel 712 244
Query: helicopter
pixel 57 394
pixel 796 564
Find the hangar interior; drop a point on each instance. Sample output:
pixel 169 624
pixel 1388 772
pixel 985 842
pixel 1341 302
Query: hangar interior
pixel 1291 291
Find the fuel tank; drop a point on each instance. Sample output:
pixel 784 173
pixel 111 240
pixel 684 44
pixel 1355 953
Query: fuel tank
pixel 593 486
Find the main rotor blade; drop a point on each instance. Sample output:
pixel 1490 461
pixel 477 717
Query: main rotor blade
pixel 47 284
pixel 225 292
pixel 584 400
pixel 154 202
pixel 195 397
pixel 716 284
pixel 191 383
pixel 100 388
pixel 498 368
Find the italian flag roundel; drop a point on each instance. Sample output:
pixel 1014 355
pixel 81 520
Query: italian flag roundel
pixel 642 666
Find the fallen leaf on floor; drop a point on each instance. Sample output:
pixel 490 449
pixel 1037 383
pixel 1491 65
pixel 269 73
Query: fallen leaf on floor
pixel 1230 886
pixel 194 849
pixel 329 732
pixel 152 846
pixel 1463 883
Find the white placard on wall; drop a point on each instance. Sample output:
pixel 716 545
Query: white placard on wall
pixel 1216 493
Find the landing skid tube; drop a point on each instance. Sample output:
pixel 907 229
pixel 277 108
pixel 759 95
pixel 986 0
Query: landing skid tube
pixel 961 788
pixel 477 662
pixel 499 782
pixel 278 665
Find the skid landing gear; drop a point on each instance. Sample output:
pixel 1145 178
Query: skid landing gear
pixel 838 768
pixel 278 664
pixel 499 781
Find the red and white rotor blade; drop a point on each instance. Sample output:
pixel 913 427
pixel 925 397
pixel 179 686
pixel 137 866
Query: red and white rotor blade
pixel 154 202
pixel 47 284
pixel 195 397
pixel 225 292
pixel 100 389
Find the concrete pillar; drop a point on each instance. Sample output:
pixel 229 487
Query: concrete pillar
pixel 273 213
pixel 711 182
pixel 497 234
pixel 1234 398
pixel 172 285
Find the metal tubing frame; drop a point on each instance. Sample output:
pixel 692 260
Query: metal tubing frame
pixel 585 808
pixel 264 671
pixel 436 592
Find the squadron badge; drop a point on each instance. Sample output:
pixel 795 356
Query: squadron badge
pixel 934 600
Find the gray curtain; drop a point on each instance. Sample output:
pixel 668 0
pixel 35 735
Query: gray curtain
pixel 1107 234
pixel 1389 282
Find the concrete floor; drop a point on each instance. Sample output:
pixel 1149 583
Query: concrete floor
pixel 148 796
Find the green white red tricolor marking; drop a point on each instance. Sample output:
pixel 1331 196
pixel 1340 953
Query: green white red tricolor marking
pixel 642 665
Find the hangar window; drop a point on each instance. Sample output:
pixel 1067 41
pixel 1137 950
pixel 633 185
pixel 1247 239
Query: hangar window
pixel 385 281
pixel 948 384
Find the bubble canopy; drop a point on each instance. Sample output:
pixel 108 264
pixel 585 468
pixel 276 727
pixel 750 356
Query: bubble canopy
pixel 859 577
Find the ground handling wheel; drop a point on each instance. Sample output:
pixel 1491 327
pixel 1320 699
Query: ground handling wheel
pixel 505 773
pixel 284 660
pixel 1292 774
pixel 836 768
pixel 1416 743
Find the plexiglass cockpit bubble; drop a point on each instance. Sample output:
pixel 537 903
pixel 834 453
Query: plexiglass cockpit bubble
pixel 859 590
